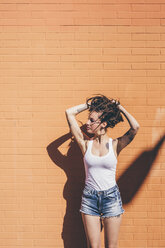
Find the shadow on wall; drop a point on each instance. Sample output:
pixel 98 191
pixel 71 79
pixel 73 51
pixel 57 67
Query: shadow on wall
pixel 134 176
pixel 73 233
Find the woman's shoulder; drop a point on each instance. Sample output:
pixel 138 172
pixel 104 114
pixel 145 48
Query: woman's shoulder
pixel 114 142
pixel 114 145
pixel 87 142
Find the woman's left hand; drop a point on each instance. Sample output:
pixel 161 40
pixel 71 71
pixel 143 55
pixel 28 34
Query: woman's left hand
pixel 117 103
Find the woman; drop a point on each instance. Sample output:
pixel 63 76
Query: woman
pixel 101 198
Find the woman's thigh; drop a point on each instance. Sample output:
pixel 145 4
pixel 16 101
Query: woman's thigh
pixel 111 230
pixel 92 226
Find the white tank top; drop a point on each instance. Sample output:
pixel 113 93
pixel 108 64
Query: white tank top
pixel 100 171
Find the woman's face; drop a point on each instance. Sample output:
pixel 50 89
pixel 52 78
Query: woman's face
pixel 93 123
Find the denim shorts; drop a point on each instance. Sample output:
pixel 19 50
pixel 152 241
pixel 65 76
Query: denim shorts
pixel 104 203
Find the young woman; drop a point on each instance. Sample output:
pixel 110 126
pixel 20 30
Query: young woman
pixel 101 199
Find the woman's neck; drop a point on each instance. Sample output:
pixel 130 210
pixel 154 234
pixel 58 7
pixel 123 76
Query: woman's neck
pixel 101 138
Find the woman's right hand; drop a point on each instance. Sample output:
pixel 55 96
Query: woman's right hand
pixel 88 105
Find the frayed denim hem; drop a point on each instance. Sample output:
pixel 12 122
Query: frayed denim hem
pixel 103 217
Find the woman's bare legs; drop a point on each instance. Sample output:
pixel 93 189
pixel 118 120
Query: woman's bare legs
pixel 92 229
pixel 111 231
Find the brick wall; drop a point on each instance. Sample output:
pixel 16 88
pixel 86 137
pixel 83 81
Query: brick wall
pixel 54 54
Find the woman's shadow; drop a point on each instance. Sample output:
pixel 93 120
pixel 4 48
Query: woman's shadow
pixel 73 233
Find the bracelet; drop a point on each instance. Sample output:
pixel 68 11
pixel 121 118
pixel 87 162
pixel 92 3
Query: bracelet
pixel 88 105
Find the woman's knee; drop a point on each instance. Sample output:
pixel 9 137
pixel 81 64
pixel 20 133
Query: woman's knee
pixel 95 246
pixel 114 245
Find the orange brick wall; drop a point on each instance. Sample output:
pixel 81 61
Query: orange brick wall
pixel 54 54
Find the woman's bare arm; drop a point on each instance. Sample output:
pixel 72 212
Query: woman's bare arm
pixel 124 140
pixel 77 109
pixel 132 121
pixel 74 127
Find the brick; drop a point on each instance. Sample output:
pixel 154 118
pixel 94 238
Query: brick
pixel 154 44
pixel 145 51
pixel 110 36
pixel 131 29
pixel 145 7
pixel 137 243
pixel 146 36
pixel 153 243
pixel 146 66
pixel 162 22
pixel 155 29
pixel 154 58
pixel 8 6
pixel 116 51
pixel 139 236
pixel 132 229
pixel 131 58
pixel 117 7
pixel 118 22
pixel 54 55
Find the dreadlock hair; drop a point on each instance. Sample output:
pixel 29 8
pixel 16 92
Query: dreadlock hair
pixel 110 113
